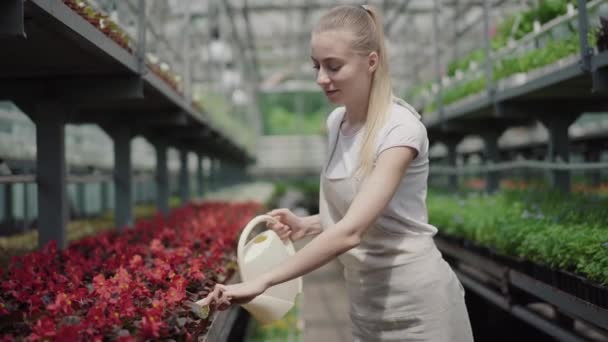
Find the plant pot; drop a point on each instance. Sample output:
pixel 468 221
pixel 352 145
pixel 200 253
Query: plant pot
pixel 583 288
pixel 72 5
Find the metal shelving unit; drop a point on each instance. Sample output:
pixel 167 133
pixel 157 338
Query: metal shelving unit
pixel 60 69
pixel 555 95
pixel 512 290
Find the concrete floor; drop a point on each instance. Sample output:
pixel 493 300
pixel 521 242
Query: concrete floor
pixel 325 305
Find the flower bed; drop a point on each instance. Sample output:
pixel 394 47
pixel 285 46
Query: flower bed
pixel 124 286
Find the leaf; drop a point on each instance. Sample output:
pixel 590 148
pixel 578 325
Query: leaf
pixel 181 321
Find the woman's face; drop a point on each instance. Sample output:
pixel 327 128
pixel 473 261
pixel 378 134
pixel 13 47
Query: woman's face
pixel 343 74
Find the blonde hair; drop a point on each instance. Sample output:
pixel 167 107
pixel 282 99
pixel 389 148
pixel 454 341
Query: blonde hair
pixel 365 23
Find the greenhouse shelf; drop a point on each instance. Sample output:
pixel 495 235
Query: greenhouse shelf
pixel 517 84
pixel 509 283
pixel 549 82
pixel 95 73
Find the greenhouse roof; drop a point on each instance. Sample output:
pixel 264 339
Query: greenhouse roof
pixel 271 37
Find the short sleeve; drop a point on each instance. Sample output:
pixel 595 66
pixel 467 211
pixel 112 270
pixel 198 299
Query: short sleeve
pixel 411 134
pixel 333 118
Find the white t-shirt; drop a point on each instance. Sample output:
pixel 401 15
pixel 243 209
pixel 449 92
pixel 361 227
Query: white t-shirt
pixel 406 212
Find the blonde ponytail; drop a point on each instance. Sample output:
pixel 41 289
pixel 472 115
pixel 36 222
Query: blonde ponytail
pixel 379 99
pixel 365 22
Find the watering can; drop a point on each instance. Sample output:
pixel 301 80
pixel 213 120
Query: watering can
pixel 258 256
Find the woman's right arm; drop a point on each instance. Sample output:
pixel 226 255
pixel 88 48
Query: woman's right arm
pixel 293 226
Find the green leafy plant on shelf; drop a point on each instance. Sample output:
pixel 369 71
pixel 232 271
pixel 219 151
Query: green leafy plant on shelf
pixel 534 59
pixel 513 28
pixel 452 94
pixel 566 232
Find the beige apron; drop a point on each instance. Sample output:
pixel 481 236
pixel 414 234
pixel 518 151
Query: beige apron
pixel 400 288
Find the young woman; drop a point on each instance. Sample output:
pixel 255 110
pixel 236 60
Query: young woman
pixel 373 214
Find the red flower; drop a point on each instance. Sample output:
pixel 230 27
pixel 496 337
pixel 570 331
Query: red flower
pixel 156 246
pixel 137 276
pixel 3 309
pixel 136 262
pixel 101 286
pixel 175 295
pixel 122 279
pixel 96 315
pixel 44 328
pixel 7 338
pixel 151 326
pixel 68 333
pixel 126 339
pixel 62 304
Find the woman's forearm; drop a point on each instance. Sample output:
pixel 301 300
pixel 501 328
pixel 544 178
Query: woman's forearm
pixel 322 249
pixel 312 225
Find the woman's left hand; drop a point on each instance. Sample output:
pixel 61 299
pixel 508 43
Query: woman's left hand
pixel 225 295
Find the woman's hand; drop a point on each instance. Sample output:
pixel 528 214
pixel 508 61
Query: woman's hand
pixel 225 295
pixel 290 225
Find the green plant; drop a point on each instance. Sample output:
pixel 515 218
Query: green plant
pixel 544 12
pixel 294 113
pixel 562 231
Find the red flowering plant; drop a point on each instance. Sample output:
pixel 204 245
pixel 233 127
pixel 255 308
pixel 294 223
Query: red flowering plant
pixel 125 286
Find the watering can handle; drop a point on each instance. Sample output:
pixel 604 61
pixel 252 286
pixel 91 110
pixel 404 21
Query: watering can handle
pixel 248 228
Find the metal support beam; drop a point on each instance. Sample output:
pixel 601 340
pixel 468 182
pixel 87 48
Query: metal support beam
pixel 489 72
pixel 200 176
pixel 8 202
pixel 583 32
pixel 285 6
pixel 184 178
pixel 436 59
pixel 452 154
pixel 26 206
pixel 162 178
pixel 251 42
pixel 215 178
pixel 599 78
pixel 593 156
pixel 563 301
pixel 456 39
pixel 105 196
pixel 559 148
pixel 81 198
pixel 50 175
pixel 141 36
pixel 216 174
pixel 187 55
pixel 388 25
pixel 90 90
pixel 123 209
pixel 163 118
pixel 12 19
pixel 492 155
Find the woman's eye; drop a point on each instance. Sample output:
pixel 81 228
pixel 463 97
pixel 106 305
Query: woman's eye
pixel 334 68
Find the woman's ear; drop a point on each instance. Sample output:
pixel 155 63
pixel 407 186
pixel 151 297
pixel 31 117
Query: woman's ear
pixel 372 61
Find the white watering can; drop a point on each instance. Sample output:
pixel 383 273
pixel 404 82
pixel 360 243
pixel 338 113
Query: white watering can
pixel 258 256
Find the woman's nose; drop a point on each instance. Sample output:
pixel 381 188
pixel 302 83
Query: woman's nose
pixel 322 78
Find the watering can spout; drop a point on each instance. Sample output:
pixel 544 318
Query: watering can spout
pixel 258 256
